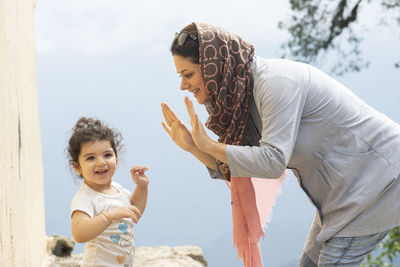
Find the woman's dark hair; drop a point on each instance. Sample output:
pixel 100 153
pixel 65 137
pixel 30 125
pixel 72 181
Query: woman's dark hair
pixel 190 48
pixel 89 130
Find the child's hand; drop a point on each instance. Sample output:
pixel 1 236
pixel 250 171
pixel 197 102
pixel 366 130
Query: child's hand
pixel 125 212
pixel 138 176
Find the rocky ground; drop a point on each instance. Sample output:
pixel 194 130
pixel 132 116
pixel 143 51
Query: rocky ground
pixel 59 254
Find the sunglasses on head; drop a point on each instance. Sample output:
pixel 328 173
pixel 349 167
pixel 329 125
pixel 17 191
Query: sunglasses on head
pixel 182 37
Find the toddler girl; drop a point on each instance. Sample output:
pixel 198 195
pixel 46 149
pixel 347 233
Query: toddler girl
pixel 102 211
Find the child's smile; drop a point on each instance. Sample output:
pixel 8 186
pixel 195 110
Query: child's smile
pixel 101 172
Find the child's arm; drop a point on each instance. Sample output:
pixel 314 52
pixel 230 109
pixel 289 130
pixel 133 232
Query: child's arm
pixel 139 196
pixel 85 228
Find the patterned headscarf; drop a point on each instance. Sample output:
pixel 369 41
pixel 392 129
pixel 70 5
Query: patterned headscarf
pixel 225 62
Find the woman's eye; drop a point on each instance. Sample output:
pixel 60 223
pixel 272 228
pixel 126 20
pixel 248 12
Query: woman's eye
pixel 188 75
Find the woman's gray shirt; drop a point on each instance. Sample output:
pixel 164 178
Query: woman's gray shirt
pixel 345 154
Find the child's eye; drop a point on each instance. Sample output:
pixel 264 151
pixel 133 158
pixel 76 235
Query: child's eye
pixel 108 155
pixel 90 158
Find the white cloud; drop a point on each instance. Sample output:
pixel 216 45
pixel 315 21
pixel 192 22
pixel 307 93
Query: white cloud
pixel 100 26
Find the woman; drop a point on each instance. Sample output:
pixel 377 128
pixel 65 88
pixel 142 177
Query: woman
pixel 275 114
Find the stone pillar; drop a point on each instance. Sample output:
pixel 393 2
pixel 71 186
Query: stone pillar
pixel 22 217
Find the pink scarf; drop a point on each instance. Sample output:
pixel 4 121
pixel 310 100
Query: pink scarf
pixel 252 202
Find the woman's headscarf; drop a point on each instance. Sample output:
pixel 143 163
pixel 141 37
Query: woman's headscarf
pixel 225 62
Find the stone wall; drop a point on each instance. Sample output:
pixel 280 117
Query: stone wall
pixel 22 219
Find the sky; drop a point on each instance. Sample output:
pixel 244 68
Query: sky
pixel 110 60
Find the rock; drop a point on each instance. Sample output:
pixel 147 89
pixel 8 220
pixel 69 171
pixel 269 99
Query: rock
pixel 60 246
pixel 158 256
pixel 55 261
pixel 194 252
pixel 164 256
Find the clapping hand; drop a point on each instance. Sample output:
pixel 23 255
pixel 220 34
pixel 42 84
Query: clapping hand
pixel 199 135
pixel 139 177
pixel 180 133
pixel 176 129
pixel 195 141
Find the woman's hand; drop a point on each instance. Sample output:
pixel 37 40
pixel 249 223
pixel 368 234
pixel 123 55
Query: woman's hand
pixel 177 130
pixel 199 134
pixel 196 141
pixel 139 177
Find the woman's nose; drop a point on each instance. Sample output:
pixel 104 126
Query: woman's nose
pixel 184 85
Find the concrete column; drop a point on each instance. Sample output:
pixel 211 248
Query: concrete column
pixel 22 217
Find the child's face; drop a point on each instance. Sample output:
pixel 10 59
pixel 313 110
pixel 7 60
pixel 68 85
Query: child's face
pixel 97 164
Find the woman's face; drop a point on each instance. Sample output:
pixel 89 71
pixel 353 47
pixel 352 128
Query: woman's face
pixel 192 80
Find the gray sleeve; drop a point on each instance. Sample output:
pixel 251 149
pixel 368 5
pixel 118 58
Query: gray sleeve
pixel 280 102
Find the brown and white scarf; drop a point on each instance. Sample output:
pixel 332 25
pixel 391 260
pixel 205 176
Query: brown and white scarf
pixel 225 60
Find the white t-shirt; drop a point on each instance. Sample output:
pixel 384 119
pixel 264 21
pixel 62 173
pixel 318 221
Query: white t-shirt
pixel 115 246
